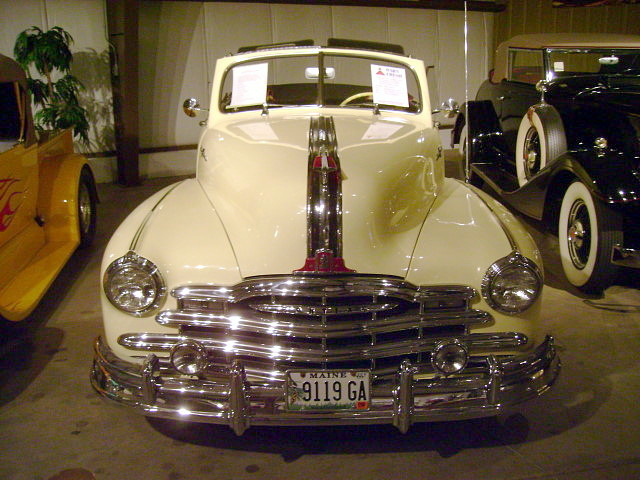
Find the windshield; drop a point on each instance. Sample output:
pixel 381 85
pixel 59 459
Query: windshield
pixel 565 63
pixel 348 82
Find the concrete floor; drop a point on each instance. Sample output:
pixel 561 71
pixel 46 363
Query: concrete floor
pixel 51 421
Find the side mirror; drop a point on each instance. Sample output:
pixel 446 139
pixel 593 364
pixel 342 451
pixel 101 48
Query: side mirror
pixel 450 108
pixel 191 107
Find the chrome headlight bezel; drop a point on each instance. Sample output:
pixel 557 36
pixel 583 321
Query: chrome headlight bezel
pixel 506 265
pixel 134 261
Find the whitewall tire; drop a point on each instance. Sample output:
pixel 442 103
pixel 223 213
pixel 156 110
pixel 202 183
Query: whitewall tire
pixel 541 139
pixel 587 232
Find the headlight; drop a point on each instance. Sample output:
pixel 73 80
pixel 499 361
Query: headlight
pixel 512 284
pixel 133 284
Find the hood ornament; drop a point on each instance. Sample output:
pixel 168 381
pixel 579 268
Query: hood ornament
pixel 324 201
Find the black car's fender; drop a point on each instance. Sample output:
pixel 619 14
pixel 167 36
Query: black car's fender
pixel 483 130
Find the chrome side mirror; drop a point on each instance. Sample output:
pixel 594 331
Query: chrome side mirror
pixel 191 107
pixel 450 108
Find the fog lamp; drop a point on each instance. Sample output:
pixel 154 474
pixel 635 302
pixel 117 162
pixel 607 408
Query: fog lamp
pixel 189 357
pixel 449 356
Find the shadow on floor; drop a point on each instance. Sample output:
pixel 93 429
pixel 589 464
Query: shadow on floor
pixel 26 347
pixel 446 438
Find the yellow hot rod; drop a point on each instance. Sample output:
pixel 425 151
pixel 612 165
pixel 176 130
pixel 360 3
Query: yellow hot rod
pixel 47 200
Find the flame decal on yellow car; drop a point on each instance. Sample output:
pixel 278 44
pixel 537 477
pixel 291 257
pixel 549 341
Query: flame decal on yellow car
pixel 6 194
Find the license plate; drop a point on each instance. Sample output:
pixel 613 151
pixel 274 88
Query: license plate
pixel 328 390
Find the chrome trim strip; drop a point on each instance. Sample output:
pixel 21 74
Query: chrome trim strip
pixel 494 384
pixel 322 310
pixel 318 287
pixel 143 224
pixel 503 225
pixel 324 200
pixel 238 346
pixel 317 329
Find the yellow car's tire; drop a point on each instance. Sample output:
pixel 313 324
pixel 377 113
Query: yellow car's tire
pixel 87 207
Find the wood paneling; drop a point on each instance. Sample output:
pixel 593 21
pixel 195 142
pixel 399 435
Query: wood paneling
pixel 539 16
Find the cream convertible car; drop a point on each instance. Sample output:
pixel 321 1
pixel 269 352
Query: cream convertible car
pixel 320 269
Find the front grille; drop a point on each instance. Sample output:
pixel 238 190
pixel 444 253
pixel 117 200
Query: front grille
pixel 280 323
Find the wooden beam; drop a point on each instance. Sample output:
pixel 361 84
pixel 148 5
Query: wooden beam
pixel 472 5
pixel 123 19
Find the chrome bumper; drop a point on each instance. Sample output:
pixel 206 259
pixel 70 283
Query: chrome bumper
pixel 155 389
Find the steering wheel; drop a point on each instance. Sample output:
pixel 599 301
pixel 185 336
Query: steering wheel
pixel 355 97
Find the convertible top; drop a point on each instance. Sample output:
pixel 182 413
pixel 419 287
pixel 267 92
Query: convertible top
pixel 331 42
pixel 559 40
pixel 12 72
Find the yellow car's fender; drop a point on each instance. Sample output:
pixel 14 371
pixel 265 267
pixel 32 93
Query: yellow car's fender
pixel 58 196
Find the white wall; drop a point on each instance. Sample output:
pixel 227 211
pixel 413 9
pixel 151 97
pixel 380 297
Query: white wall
pixel 85 21
pixel 180 41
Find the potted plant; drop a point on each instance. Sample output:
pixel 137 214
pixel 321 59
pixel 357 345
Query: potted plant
pixel 56 94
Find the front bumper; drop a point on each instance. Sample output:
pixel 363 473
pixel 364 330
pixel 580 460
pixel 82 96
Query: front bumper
pixel 416 395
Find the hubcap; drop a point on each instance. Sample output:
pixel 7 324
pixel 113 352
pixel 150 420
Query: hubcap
pixel 84 207
pixel 579 234
pixel 531 153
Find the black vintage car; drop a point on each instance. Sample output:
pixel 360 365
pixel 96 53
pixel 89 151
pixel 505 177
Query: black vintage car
pixel 555 132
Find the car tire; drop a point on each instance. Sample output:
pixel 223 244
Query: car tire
pixel 473 179
pixel 87 206
pixel 587 232
pixel 462 143
pixel 541 139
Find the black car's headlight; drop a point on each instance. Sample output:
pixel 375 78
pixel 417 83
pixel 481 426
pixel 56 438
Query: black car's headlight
pixel 134 284
pixel 512 284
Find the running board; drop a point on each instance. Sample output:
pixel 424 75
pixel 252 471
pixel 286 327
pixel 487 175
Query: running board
pixel 24 291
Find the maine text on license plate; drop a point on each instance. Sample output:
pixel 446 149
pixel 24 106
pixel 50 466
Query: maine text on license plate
pixel 328 389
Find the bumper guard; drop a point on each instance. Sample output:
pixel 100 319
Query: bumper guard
pixel 416 395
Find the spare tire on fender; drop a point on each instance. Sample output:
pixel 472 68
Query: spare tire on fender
pixel 541 139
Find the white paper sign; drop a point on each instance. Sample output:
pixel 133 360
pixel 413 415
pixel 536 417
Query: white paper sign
pixel 558 66
pixel 249 84
pixel 389 85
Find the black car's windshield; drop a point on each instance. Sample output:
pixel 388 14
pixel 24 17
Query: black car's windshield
pixel 566 63
pixel 348 81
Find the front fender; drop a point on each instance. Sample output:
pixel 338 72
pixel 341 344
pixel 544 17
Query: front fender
pixel 179 231
pixel 462 237
pixel 607 174
pixel 486 139
pixel 58 196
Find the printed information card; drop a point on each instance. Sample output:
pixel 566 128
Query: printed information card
pixel 389 86
pixel 249 84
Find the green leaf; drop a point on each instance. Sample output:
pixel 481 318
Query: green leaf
pixel 48 52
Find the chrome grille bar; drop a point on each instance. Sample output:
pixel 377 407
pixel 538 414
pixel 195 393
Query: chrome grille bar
pixel 339 321
pixel 338 287
pixel 238 346
pixel 316 329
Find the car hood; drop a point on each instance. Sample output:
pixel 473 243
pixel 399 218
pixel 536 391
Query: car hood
pixel 620 93
pixel 255 171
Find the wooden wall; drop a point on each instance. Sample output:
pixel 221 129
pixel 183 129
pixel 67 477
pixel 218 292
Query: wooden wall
pixel 538 16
